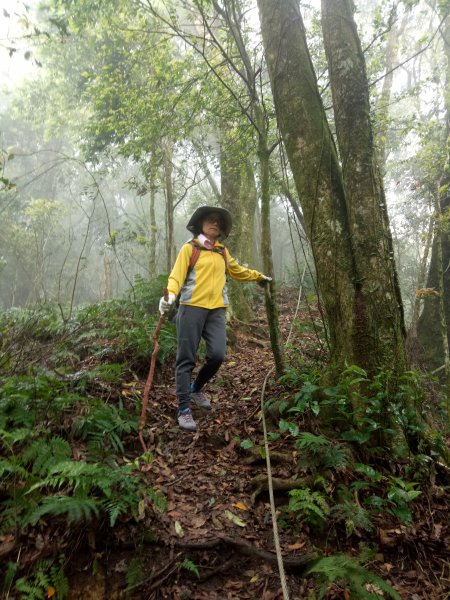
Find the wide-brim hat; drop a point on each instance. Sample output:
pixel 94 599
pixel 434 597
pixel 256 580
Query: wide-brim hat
pixel 195 222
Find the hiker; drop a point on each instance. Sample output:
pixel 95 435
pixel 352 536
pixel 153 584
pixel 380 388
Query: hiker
pixel 199 276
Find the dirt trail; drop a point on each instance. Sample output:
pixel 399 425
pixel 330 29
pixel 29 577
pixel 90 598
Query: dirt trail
pixel 215 541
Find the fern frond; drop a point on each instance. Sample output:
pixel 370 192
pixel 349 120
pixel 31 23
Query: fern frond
pixel 46 454
pixel 71 474
pixel 158 500
pixel 354 517
pixel 46 574
pixel 116 507
pixel 343 568
pixel 75 508
pixel 11 467
pixel 308 506
pixel 190 566
pixel 10 438
pixel 311 442
pixel 135 572
pixel 335 456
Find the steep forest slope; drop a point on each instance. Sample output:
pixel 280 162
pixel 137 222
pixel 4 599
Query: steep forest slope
pixel 87 514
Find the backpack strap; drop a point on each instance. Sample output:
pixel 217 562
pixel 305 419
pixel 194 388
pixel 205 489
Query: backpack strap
pixel 197 248
pixel 194 255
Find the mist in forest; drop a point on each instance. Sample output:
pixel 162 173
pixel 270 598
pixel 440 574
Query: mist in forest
pixel 113 132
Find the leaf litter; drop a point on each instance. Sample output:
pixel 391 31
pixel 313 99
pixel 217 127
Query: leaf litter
pixel 214 520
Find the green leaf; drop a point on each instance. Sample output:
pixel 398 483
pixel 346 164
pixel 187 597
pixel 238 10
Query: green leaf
pixel 246 444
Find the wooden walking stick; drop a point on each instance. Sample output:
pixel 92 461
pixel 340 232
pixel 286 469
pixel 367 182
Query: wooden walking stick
pixel 148 383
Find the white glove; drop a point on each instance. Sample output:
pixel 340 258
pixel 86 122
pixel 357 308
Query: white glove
pixel 164 305
pixel 264 281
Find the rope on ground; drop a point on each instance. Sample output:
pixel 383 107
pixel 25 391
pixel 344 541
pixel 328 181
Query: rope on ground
pixel 276 536
pixel 273 513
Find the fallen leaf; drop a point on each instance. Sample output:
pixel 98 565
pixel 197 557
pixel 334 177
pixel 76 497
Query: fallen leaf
pixel 235 519
pixel 296 546
pixel 217 523
pixel 437 530
pixel 198 522
pixel 178 529
pixel 240 505
pixel 174 514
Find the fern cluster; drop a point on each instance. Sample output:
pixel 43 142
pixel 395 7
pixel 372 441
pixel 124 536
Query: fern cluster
pixel 363 492
pixel 361 583
pixel 65 424
pixel 46 580
pixel 308 506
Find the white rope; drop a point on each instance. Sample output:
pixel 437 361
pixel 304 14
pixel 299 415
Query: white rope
pixel 273 513
pixel 271 496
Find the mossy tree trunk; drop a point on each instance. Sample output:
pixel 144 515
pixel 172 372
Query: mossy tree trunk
pixel 238 194
pixel 266 249
pixel 349 235
pixel 380 331
pixel 232 13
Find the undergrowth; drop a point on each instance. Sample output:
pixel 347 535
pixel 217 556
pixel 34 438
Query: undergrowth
pixel 69 412
pixel 353 442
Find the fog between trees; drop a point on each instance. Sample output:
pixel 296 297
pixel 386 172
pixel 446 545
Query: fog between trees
pixel 131 115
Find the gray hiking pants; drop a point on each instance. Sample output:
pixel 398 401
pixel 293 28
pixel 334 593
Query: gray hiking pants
pixel 193 323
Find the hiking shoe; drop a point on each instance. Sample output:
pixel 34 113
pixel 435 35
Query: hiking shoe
pixel 201 400
pixel 186 420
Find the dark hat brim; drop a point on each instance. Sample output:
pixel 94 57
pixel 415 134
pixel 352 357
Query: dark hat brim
pixel 195 222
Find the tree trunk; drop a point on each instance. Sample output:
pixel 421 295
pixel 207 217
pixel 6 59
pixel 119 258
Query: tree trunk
pixel 239 197
pixel 204 163
pixel 436 308
pixel 349 235
pixel 315 167
pixel 391 58
pixel 412 333
pixel 232 13
pixel 153 226
pixel 382 335
pixel 266 247
pixel 107 278
pixel 168 170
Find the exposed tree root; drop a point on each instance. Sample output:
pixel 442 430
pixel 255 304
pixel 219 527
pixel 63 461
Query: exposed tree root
pixel 257 455
pixel 261 484
pixel 299 564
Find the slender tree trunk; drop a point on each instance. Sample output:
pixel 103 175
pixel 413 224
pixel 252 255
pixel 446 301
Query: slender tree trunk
pixel 391 58
pixel 266 247
pixel 230 185
pixel 153 225
pixel 290 198
pixel 436 308
pixel 168 170
pixel 212 182
pixel 232 13
pixel 412 333
pixel 107 278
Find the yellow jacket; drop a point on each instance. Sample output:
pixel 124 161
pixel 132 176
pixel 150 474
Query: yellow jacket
pixel 205 285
